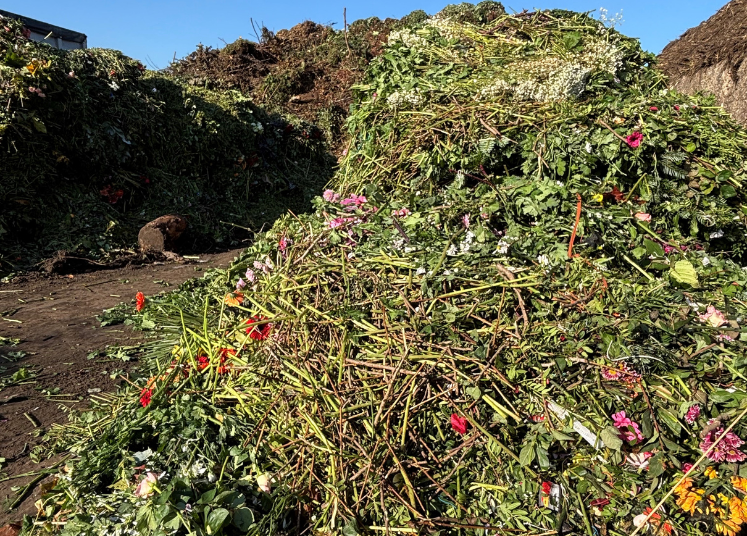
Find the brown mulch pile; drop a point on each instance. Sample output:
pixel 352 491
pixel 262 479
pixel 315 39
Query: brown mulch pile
pixel 722 37
pixel 306 71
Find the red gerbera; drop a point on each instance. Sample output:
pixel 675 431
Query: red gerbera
pixel 257 331
pixel 139 301
pixel 459 424
pixel 145 396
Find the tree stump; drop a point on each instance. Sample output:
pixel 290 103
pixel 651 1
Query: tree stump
pixel 162 234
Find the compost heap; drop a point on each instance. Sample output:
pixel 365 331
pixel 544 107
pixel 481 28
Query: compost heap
pixel 94 146
pixel 517 309
pixel 306 71
pixel 710 57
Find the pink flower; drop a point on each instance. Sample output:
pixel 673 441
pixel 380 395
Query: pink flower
pixel 240 284
pixel 713 316
pixel 676 107
pixel 401 213
pixel 668 249
pixel 727 449
pixel 642 216
pixel 686 467
pixel 283 244
pixel 653 109
pixel 330 196
pixel 339 222
pixel 465 221
pixel 629 430
pixel 250 275
pixel 692 414
pixel 621 373
pixel 354 201
pixel 146 486
pixel 634 140
pixel 639 460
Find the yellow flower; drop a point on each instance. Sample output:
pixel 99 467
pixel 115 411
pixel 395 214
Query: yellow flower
pixel 739 483
pixel 710 473
pixel 598 198
pixel 727 528
pixel 31 67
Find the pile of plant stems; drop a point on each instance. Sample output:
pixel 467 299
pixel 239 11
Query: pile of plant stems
pixel 517 309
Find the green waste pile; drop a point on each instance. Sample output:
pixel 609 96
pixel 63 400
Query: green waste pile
pixel 94 146
pixel 518 309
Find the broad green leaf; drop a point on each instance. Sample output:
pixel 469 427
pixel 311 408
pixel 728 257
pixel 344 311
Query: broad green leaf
pixel 216 519
pixel 611 438
pixel 684 273
pixel 243 518
pixel 526 456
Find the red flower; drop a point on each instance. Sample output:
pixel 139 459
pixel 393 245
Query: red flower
pixel 653 109
pixel 634 140
pixel 139 301
pixel 145 396
pixel 259 332
pixel 459 424
pixel 546 487
pixel 676 107
pixel 202 362
pixel 599 503
pixel 224 354
pixel 112 72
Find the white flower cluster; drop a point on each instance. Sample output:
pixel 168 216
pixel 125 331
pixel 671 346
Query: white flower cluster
pixel 445 27
pixel 408 38
pixel 258 128
pixel 464 246
pixel 553 78
pixel 400 99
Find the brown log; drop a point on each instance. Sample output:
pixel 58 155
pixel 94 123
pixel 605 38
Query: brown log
pixel 162 234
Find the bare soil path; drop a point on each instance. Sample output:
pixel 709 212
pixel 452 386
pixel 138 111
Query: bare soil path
pixel 54 317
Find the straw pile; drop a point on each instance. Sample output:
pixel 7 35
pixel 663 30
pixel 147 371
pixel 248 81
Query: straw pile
pixel 517 309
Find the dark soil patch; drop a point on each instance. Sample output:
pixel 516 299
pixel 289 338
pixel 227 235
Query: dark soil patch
pixel 722 37
pixel 54 316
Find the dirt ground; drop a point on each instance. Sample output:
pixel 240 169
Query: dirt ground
pixel 54 316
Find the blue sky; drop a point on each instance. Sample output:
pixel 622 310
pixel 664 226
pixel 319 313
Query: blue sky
pixel 153 31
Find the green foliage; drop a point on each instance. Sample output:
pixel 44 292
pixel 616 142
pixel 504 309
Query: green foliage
pixel 95 146
pixel 454 289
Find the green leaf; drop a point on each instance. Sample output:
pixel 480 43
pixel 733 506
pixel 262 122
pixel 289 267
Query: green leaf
pixel 611 438
pixel 653 248
pixel 350 528
pixel 684 273
pixel 543 459
pixel 526 456
pixel 691 147
pixel 38 125
pixel 216 519
pixel 727 191
pixel 243 519
pixel 670 420
pixel 474 392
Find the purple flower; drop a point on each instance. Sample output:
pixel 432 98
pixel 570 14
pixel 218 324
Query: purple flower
pixel 465 221
pixel 726 450
pixel 250 275
pixel 240 284
pixel 692 414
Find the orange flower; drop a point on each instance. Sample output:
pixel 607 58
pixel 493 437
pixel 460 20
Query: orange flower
pixel 139 301
pixel 739 483
pixel 234 299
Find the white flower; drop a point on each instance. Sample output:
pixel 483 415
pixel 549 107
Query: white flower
pixel 543 260
pixel 264 482
pixel 588 147
pixel 706 261
pixel 420 271
pixel 717 234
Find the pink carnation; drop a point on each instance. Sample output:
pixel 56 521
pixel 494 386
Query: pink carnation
pixel 726 450
pixel 686 467
pixel 692 414
pixel 634 140
pixel 330 196
pixel 629 430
